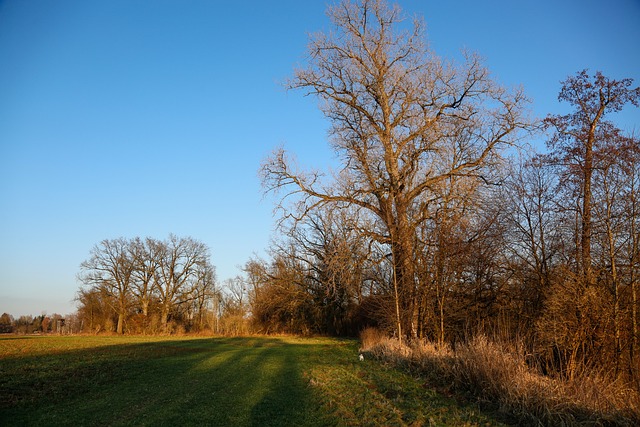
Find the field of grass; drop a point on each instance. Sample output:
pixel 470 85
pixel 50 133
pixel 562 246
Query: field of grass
pixel 257 381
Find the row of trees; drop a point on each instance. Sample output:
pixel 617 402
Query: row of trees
pixel 42 324
pixel 438 224
pixel 148 285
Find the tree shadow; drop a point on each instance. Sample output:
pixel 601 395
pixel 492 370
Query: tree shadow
pixel 221 381
pixel 288 400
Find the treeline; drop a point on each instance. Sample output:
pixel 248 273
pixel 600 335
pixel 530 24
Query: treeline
pixel 136 285
pixel 504 260
pixel 439 225
pixel 42 324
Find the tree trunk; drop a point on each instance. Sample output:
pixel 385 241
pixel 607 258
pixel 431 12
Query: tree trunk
pixel 635 243
pixel 585 235
pixel 164 318
pixel 634 341
pixel 633 251
pixel 120 327
pixel 404 277
pixel 616 293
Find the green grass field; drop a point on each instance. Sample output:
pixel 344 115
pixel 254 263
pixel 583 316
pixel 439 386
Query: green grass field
pixel 257 381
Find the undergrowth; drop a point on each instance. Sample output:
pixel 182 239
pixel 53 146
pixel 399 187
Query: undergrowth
pixel 498 377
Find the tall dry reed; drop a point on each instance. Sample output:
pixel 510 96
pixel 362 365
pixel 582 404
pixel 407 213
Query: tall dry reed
pixel 499 376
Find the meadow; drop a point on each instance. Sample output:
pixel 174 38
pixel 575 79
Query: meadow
pixel 248 381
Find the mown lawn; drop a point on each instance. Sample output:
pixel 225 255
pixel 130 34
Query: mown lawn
pixel 256 381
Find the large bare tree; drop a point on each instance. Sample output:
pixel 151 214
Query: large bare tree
pixel 403 121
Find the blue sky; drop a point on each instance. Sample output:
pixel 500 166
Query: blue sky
pixel 149 117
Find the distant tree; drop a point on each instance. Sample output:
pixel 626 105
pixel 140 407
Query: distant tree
pixel 24 324
pixel 337 258
pixel 182 260
pixel 110 270
pixel 72 325
pixel 145 282
pixel 204 293
pixel 6 323
pixel 281 303
pixel 46 324
pixel 403 121
pixel 236 292
pixel 331 257
pixel 255 276
pixel 145 256
pixel 36 323
pixel 235 307
pixel 94 310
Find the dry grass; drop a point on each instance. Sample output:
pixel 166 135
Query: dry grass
pixel 498 376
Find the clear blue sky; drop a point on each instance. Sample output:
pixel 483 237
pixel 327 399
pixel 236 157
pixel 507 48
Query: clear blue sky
pixel 150 117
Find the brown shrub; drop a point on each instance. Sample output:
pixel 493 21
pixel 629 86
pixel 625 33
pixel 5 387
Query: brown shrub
pixel 497 375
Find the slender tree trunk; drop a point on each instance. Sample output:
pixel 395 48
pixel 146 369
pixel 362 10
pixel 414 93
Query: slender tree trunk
pixel 397 302
pixel 616 294
pixel 634 340
pixel 585 236
pixel 634 291
pixel 635 243
pixel 441 304
pixel 543 259
pixel 440 289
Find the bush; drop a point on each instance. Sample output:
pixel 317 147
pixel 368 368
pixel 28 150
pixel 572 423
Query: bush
pixel 498 376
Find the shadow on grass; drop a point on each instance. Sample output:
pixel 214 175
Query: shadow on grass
pixel 221 381
pixel 288 401
pixel 257 381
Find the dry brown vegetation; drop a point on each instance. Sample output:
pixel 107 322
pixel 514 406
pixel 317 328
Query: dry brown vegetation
pixel 501 376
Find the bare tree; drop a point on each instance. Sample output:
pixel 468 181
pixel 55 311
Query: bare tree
pixel 255 273
pixel 280 301
pixel 145 256
pixel 204 292
pixel 237 295
pixel 580 135
pixel 402 120
pixel 631 250
pixel 530 212
pixel 337 259
pixel 110 270
pixel 182 260
pixel 146 279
